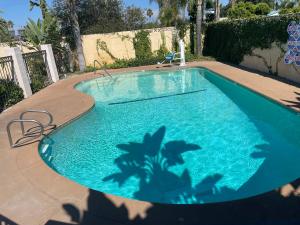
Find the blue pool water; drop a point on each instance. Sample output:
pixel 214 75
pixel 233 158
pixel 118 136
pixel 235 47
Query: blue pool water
pixel 179 137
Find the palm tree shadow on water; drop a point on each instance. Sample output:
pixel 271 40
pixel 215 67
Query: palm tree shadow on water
pixel 150 161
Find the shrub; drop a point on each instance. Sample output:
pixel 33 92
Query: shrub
pixel 38 82
pixel 241 10
pixel 10 94
pixel 124 63
pixel 289 10
pixel 230 40
pixel 142 45
pixel 182 28
pixel 38 74
pixel 262 9
pixel 248 9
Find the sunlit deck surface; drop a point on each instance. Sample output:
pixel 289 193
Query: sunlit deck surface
pixel 31 193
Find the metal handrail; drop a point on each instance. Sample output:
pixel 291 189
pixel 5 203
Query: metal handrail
pixel 101 67
pixel 12 144
pixel 35 111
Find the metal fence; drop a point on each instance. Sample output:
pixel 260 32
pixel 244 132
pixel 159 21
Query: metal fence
pixel 62 62
pixel 37 69
pixel 7 69
pixel 8 82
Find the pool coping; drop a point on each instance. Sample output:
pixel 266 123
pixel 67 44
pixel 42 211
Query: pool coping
pixel 136 210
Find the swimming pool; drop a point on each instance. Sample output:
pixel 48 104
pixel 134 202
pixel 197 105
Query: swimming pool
pixel 180 137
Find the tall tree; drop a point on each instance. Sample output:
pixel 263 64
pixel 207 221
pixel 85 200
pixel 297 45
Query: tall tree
pixel 198 4
pixel 170 11
pixel 134 18
pixel 42 4
pixel 217 10
pixel 172 8
pixel 71 5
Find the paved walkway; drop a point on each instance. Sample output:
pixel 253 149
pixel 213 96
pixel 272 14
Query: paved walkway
pixel 33 194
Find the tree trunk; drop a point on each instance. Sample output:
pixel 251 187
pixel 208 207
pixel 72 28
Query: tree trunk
pixel 203 11
pixel 76 30
pixel 192 38
pixel 199 28
pixel 43 6
pixel 217 10
pixel 232 2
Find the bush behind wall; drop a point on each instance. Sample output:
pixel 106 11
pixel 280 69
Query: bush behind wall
pixel 10 94
pixel 230 40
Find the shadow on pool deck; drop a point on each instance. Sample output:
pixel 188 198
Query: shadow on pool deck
pixel 296 103
pixel 272 209
pixel 6 221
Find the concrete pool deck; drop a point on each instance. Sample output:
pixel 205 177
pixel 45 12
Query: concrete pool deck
pixel 33 194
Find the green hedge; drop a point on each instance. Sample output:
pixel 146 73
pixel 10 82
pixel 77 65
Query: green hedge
pixel 10 94
pixel 125 63
pixel 230 40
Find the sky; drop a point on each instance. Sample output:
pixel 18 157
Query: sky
pixel 18 10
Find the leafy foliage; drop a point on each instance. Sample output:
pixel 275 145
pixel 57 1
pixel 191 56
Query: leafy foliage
pixel 42 4
pixel 162 51
pixel 38 73
pixel 288 4
pixel 103 46
pixel 142 45
pixel 270 3
pixel 182 28
pixel 169 11
pixel 4 33
pixel 44 31
pixel 262 9
pixel 47 31
pixel 134 18
pixel 100 16
pixel 10 94
pixel 124 63
pixel 289 10
pixel 248 9
pixel 232 39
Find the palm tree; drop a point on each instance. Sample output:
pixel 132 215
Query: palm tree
pixel 42 4
pixel 175 5
pixel 169 10
pixel 44 31
pixel 217 10
pixel 199 5
pixel 71 5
